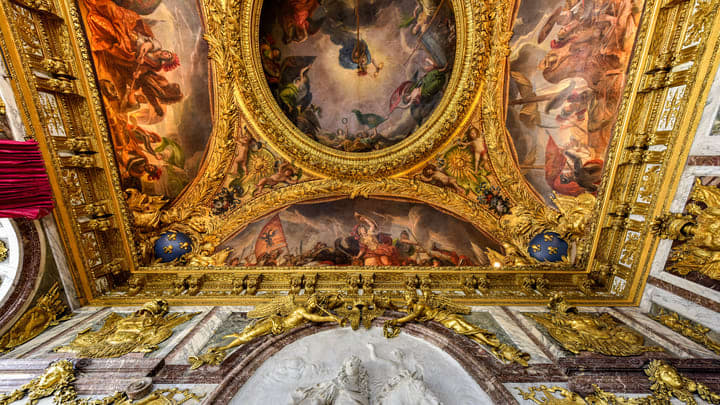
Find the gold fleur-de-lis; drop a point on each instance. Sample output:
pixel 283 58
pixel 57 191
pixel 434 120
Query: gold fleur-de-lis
pixel 552 250
pixel 172 236
pixel 548 238
pixel 184 246
pixel 535 248
pixel 168 249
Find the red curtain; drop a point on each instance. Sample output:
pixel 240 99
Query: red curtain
pixel 24 186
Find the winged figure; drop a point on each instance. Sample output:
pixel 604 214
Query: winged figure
pixel 430 307
pixel 140 332
pixel 274 318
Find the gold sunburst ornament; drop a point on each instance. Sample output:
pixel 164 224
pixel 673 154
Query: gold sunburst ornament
pixel 3 251
pixel 459 163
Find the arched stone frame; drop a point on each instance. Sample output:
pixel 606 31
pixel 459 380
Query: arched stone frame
pixel 26 280
pixel 482 367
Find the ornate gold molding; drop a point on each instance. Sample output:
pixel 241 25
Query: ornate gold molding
pixel 667 384
pixel 650 143
pixel 59 378
pixel 691 330
pixel 699 232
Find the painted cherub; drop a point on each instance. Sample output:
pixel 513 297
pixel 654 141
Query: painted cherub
pixel 477 143
pixel 284 174
pixel 244 141
pixel 436 176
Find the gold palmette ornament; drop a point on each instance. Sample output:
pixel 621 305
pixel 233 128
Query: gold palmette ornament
pixel 667 383
pixel 140 332
pixel 430 307
pixel 46 313
pixel 586 332
pixel 274 318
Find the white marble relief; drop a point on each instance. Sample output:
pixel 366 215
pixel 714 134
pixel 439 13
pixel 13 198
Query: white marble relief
pixel 8 97
pixel 317 359
pixel 10 267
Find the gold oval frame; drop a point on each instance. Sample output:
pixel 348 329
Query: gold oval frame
pixel 262 113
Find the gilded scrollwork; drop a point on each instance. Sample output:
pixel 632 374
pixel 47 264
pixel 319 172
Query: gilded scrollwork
pixel 58 380
pixel 3 251
pixel 699 230
pixel 580 332
pixel 691 330
pixel 518 227
pixel 140 332
pixel 667 384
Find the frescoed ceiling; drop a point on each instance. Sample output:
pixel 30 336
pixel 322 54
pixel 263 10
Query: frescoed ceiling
pixel 490 147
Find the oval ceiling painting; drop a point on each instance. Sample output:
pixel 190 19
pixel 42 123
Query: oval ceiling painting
pixel 357 75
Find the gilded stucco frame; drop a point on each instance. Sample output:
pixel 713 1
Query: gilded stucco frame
pixel 636 145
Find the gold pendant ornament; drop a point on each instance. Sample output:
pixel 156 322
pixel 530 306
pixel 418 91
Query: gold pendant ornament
pixel 140 332
pixel 584 332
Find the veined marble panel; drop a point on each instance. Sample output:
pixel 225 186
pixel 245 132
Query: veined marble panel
pixel 517 336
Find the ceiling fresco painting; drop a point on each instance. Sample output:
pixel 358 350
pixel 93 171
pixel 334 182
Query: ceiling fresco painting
pixel 152 69
pixel 357 75
pixel 491 150
pixel 361 232
pixel 567 75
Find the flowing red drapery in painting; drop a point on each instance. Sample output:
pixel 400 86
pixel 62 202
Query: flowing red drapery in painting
pixel 24 186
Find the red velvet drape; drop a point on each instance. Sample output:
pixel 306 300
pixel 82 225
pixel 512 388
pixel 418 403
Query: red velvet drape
pixel 24 186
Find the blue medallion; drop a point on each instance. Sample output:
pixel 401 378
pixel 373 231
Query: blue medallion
pixel 548 247
pixel 172 245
